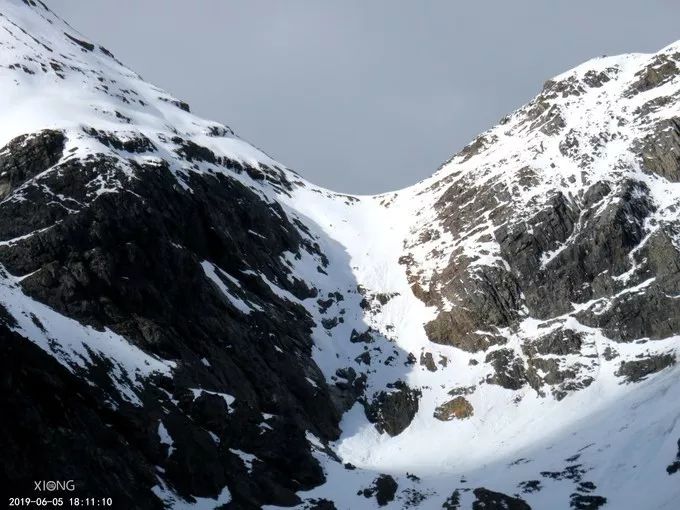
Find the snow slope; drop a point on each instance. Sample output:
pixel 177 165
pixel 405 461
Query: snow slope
pixel 621 437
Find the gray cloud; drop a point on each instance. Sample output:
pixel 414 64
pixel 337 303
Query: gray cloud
pixel 364 96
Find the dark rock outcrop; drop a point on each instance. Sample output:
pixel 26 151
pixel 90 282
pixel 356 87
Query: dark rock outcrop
pixel 349 387
pixel 559 342
pixel 458 408
pixel 660 151
pixel 134 142
pixel 492 298
pixel 427 361
pixel 462 390
pixel 490 500
pixel 26 156
pixel 453 501
pixel 662 69
pixel 509 371
pixel 639 369
pixel 674 466
pixel 383 488
pixel 393 411
pixel 586 501
pixel 530 486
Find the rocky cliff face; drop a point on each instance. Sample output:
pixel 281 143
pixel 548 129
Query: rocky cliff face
pixel 201 376
pixel 153 264
pixel 559 226
pixel 186 323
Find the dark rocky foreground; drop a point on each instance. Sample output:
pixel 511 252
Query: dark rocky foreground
pixel 131 261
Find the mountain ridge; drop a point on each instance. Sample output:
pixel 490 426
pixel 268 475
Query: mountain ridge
pixel 530 282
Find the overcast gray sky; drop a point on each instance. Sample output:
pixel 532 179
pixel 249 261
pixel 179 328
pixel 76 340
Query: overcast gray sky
pixel 364 96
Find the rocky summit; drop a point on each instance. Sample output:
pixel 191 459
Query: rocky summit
pixel 187 323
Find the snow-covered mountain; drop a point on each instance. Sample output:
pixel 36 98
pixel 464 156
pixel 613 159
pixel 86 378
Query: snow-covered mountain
pixel 186 323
